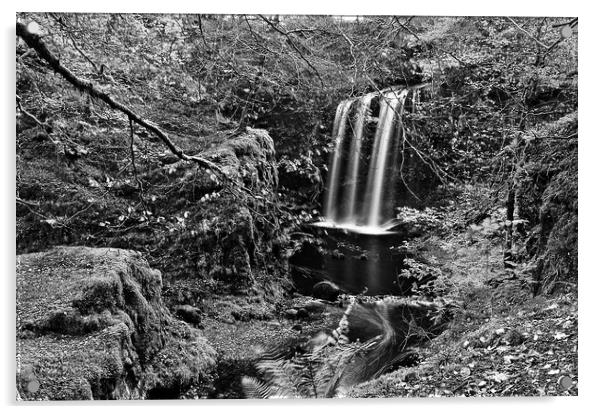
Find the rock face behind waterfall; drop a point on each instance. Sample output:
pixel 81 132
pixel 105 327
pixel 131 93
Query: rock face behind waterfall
pixel 91 324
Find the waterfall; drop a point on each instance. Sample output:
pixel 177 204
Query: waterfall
pixel 350 200
pixel 391 105
pixel 338 132
pixel 366 188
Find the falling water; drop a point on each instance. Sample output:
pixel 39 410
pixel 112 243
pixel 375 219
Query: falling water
pixel 350 200
pixel 391 105
pixel 367 213
pixel 338 131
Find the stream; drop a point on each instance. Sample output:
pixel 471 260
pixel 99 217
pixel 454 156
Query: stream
pixel 355 262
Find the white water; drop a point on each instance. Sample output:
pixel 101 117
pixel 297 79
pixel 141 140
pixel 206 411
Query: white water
pixel 350 206
pixel 356 228
pixel 338 131
pixel 391 105
pixel 356 212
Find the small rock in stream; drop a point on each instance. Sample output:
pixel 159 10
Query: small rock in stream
pixel 302 313
pixel 314 306
pixel 326 290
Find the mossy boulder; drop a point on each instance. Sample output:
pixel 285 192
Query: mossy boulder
pixel 224 240
pixel 91 324
pixel 217 233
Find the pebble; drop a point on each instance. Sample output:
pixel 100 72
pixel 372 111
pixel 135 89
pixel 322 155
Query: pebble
pixel 291 313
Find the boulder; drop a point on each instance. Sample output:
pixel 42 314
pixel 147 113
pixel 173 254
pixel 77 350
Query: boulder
pixel 302 313
pixel 326 290
pixel 314 306
pixel 189 314
pixel 91 324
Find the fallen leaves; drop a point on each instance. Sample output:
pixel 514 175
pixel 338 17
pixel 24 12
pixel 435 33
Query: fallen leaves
pixel 518 355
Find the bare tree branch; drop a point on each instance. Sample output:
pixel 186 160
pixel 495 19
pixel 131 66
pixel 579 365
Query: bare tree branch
pixel 60 21
pixel 292 43
pixel 35 42
pixel 540 43
pixel 134 169
pixel 29 115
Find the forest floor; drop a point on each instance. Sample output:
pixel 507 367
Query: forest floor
pixel 502 341
pixel 530 353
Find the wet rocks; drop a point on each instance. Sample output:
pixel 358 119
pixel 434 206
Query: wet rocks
pixel 291 313
pixel 337 254
pixel 326 290
pixel 302 313
pixel 314 306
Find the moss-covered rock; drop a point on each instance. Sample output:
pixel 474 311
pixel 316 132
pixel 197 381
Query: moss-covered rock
pixel 225 237
pixel 188 221
pixel 91 324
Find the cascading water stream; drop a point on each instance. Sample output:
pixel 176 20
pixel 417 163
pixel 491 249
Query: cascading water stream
pixel 350 206
pixel 391 105
pixel 338 131
pixel 359 198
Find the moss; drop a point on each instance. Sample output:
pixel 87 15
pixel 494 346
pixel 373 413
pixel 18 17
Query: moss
pixel 80 346
pixel 100 293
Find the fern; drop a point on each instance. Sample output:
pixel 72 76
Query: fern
pixel 335 363
pixel 256 389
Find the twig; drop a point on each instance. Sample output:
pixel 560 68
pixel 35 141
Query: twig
pixel 70 35
pixel 291 42
pixel 30 115
pixel 351 47
pixel 540 43
pixel 134 169
pixel 569 23
pixel 413 33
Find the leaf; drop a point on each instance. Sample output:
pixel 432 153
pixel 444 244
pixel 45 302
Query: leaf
pixel 499 377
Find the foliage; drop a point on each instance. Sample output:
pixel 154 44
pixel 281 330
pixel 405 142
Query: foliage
pixel 421 221
pixel 314 374
pixel 373 337
pixel 548 201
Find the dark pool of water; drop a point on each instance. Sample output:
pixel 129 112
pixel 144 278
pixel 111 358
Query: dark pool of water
pixel 355 262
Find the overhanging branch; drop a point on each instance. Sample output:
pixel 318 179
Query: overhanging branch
pixel 35 42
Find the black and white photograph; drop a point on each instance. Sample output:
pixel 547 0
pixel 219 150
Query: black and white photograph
pixel 295 206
